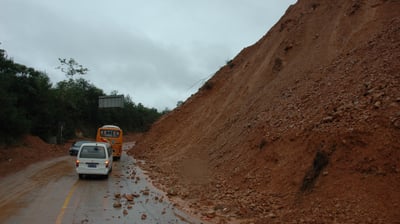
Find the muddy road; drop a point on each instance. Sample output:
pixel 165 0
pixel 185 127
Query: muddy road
pixel 51 192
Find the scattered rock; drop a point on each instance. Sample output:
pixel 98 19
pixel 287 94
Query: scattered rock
pixel 172 192
pixel 129 197
pixel 135 195
pixel 271 215
pixel 327 119
pixel 226 210
pixel 117 204
pixel 209 214
pixel 396 122
pixel 146 191
pixel 117 195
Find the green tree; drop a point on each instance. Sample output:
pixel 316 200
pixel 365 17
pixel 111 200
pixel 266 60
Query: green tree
pixel 70 67
pixel 24 98
pixel 77 105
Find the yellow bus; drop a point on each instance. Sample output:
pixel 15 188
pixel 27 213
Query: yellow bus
pixel 113 135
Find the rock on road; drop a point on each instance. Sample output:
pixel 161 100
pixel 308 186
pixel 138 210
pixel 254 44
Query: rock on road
pixel 51 192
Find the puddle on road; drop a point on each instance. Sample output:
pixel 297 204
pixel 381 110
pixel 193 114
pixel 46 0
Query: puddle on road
pixel 137 200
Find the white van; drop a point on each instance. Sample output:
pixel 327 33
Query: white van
pixel 94 158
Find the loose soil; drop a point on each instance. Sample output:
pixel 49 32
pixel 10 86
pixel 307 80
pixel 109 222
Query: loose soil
pixel 30 150
pixel 301 127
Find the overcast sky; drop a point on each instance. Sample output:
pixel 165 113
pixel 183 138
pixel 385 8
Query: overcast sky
pixel 158 52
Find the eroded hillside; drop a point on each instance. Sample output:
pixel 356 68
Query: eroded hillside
pixel 303 126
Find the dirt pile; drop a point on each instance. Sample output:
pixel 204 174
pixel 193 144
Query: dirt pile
pixel 301 127
pixel 30 150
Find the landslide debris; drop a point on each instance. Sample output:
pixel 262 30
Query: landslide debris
pixel 302 126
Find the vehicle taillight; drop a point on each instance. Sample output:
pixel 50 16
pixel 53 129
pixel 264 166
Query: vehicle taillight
pixel 77 163
pixel 107 163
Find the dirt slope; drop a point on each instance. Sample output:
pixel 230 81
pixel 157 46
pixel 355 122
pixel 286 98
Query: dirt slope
pixel 31 149
pixel 302 127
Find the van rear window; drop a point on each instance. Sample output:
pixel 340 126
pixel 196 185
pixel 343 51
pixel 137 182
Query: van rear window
pixel 96 152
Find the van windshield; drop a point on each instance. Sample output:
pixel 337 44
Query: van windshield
pixel 96 152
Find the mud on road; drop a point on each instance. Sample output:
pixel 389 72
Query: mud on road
pixel 51 192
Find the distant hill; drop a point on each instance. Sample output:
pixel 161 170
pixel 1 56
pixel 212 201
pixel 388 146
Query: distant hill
pixel 302 126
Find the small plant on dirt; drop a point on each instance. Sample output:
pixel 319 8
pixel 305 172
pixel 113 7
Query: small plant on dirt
pixel 262 143
pixel 230 63
pixel 321 160
pixel 278 65
pixel 208 85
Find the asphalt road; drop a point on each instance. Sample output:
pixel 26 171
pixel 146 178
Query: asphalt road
pixel 51 192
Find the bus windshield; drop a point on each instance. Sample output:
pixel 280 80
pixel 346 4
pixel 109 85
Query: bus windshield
pixel 110 133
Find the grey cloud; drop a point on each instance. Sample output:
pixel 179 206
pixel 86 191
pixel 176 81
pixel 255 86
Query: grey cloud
pixel 158 52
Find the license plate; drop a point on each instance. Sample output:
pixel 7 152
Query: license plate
pixel 92 165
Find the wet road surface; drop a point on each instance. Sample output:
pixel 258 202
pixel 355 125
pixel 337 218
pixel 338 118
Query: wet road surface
pixel 51 192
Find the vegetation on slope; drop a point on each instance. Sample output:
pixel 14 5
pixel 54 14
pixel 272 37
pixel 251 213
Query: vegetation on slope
pixel 32 105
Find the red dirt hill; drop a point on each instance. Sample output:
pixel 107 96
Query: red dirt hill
pixel 301 127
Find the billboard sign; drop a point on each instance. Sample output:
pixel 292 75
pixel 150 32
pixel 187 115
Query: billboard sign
pixel 111 101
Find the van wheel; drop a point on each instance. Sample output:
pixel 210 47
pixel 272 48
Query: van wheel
pixel 80 176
